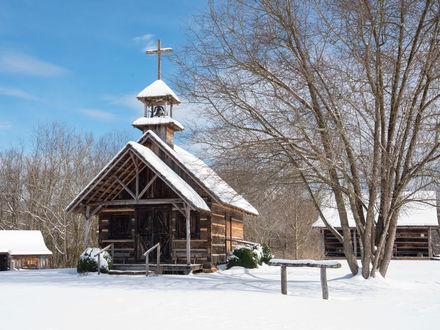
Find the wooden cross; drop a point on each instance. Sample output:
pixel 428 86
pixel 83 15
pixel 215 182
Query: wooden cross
pixel 158 51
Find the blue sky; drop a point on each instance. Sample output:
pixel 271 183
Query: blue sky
pixel 82 62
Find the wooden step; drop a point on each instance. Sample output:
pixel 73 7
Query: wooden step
pixel 129 272
pixel 139 269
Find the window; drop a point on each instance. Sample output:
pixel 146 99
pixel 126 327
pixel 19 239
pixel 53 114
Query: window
pixel 119 226
pixel 180 232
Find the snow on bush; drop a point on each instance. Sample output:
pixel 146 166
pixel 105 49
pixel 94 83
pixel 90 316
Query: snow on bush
pixel 88 261
pixel 249 256
pixel 267 253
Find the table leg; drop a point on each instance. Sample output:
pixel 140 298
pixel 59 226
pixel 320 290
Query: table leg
pixel 324 286
pixel 283 279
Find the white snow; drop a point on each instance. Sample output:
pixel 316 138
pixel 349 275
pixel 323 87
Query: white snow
pixel 407 299
pixel 23 242
pixel 143 121
pixel 157 89
pixel 170 176
pixel 421 211
pixel 305 262
pixel 210 180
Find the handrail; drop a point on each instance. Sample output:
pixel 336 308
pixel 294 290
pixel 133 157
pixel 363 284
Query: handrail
pixel 151 249
pixel 147 259
pixel 112 246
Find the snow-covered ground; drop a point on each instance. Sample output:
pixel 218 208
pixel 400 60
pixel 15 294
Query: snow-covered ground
pixel 234 299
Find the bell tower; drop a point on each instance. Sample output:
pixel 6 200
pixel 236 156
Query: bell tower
pixel 158 100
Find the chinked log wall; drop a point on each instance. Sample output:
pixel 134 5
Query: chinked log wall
pixel 225 223
pixel 211 248
pixel 411 242
pixel 123 248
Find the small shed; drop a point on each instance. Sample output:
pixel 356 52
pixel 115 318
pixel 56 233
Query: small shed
pixel 417 229
pixel 23 249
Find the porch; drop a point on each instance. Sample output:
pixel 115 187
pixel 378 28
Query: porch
pixel 134 228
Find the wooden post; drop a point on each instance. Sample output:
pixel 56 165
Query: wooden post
pixel 188 235
pixel 99 263
pixel 283 279
pixel 158 260
pixel 429 242
pixel 324 286
pixel 87 226
pixel 147 265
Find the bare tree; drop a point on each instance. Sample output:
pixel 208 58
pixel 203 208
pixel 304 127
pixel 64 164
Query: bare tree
pixel 345 93
pixel 38 184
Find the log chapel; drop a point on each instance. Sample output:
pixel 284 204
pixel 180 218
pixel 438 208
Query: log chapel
pixel 154 191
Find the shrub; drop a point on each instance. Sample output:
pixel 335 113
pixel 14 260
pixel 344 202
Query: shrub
pixel 243 256
pixel 267 253
pixel 88 261
pixel 250 256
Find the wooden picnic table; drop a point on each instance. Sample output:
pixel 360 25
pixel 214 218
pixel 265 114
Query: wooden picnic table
pixel 322 264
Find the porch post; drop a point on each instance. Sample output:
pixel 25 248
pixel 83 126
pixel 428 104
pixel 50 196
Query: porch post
pixel 188 235
pixel 87 226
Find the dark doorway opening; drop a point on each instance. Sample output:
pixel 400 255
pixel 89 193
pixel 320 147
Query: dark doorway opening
pixel 4 261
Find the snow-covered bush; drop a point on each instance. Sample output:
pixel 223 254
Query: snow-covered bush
pixel 88 261
pixel 267 253
pixel 250 256
pixel 246 256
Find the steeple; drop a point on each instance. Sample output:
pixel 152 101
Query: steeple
pixel 158 100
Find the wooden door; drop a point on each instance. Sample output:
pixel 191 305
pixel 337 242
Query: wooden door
pixel 154 224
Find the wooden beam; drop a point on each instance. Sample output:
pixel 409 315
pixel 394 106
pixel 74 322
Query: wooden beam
pixel 188 235
pixel 120 202
pixel 125 187
pixel 179 209
pixel 147 186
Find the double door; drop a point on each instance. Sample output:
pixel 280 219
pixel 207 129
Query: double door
pixel 154 226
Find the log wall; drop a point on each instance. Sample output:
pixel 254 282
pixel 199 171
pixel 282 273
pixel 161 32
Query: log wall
pixel 411 242
pixel 210 248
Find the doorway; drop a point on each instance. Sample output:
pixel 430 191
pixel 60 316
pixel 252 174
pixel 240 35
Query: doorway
pixel 154 226
pixel 4 261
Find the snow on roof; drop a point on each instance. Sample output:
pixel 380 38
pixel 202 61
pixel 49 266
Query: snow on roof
pixel 158 89
pixel 170 176
pixel 154 161
pixel 143 121
pixel 23 242
pixel 210 180
pixel 420 211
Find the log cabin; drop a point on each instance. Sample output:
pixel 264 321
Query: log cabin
pixel 155 193
pixel 417 231
pixel 23 249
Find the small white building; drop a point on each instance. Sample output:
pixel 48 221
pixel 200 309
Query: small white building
pixel 23 249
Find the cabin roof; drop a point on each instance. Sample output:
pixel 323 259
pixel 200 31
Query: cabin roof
pixel 145 121
pixel 419 211
pixel 170 176
pixel 106 180
pixel 158 89
pixel 23 242
pixel 203 174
